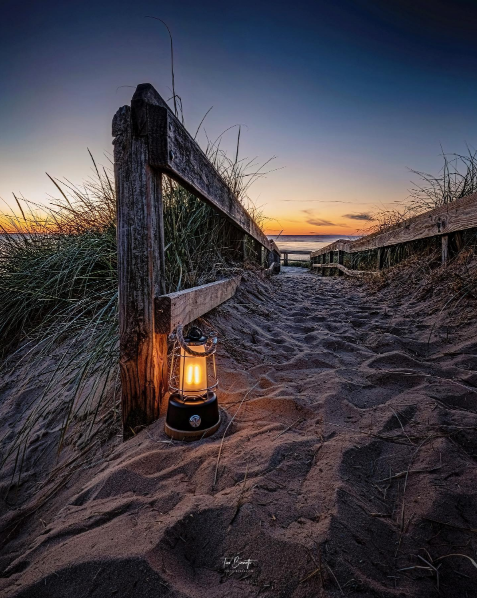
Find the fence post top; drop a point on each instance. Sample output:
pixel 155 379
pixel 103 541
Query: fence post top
pixel 149 94
pixel 121 121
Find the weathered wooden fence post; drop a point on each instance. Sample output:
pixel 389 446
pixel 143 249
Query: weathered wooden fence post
pixel 150 142
pixel 140 238
pixel 380 258
pixel 240 244
pixel 274 260
pixel 445 248
pixel 459 241
pixel 340 261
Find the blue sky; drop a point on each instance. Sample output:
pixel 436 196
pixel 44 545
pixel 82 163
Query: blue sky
pixel 347 95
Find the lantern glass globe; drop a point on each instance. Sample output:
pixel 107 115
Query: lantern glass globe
pixel 193 373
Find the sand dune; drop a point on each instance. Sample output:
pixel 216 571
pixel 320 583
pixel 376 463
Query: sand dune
pixel 349 468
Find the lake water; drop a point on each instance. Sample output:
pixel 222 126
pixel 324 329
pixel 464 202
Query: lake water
pixel 297 242
pixel 306 242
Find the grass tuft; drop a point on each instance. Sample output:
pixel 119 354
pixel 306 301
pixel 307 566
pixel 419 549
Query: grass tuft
pixel 59 296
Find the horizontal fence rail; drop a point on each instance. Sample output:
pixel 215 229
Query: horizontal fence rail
pixel 342 268
pixel 185 306
pixel 339 245
pixel 286 256
pixel 454 217
pixel 150 142
pixel 173 151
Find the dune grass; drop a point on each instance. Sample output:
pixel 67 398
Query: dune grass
pixel 58 286
pixel 457 178
pixel 416 267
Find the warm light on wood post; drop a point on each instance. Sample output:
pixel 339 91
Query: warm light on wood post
pixel 140 240
pixel 150 142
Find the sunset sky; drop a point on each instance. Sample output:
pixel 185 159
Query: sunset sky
pixel 346 94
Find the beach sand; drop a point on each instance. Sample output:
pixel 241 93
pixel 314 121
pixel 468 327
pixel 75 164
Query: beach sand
pixel 348 468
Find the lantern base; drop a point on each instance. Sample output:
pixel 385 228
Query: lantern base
pixel 192 419
pixel 190 436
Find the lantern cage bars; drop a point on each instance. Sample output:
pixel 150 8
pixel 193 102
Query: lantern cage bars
pixel 193 411
pixel 182 364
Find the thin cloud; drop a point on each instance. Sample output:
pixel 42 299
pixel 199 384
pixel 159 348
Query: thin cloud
pixel 316 221
pixel 319 222
pixel 361 216
pixel 317 201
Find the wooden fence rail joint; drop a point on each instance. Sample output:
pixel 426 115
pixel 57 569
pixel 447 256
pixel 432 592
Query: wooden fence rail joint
pixel 149 141
pixel 173 151
pixel 453 217
pixel 185 306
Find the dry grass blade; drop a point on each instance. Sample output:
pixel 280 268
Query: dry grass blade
pixel 334 577
pixel 431 567
pixel 457 178
pixel 288 428
pixel 465 556
pixel 459 527
pixel 58 290
pixel 240 498
pixel 312 574
pixel 226 430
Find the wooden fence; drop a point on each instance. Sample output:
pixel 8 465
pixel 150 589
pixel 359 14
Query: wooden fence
pixel 286 256
pixel 441 222
pixel 149 141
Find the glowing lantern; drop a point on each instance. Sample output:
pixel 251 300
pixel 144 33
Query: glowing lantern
pixel 193 410
pixel 193 372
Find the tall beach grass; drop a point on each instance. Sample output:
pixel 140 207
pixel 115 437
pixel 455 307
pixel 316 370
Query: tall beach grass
pixel 59 296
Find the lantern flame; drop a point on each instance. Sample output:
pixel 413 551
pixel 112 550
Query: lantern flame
pixel 193 372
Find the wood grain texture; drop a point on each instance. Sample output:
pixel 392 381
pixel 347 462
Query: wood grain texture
pixel 274 261
pixel 343 269
pixel 456 216
pixel 149 141
pixel 140 240
pixel 380 258
pixel 185 306
pixel 173 151
pixel 445 248
pixel 339 245
pixel 274 247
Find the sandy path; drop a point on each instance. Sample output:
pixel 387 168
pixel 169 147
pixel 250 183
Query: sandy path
pixel 350 459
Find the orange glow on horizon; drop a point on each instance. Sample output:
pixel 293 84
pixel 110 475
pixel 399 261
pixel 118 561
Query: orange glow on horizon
pixel 303 229
pixel 292 227
pixel 300 221
pixel 310 217
pixel 15 224
pixel 10 224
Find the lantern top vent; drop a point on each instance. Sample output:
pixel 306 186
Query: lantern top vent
pixel 195 337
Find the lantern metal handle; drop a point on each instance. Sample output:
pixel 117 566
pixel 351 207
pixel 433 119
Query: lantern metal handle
pixel 210 345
